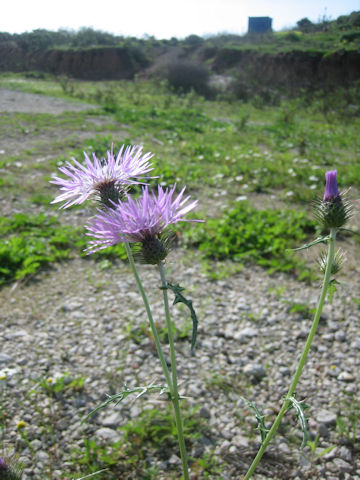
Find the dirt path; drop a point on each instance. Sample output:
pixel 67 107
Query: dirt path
pixel 17 101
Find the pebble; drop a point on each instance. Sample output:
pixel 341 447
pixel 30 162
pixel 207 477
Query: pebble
pixel 346 377
pixel 255 370
pixel 342 465
pixel 107 434
pixel 345 454
pixel 113 420
pixel 326 417
pixel 5 359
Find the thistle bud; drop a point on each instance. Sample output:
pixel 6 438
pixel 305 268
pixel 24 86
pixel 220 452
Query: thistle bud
pixel 153 250
pixel 333 211
pixel 337 263
pixel 109 193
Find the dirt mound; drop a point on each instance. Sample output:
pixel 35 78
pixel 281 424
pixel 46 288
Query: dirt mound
pixel 90 63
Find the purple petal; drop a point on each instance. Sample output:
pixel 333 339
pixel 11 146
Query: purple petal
pixel 331 188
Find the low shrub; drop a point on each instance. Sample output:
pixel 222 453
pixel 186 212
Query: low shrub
pixel 186 76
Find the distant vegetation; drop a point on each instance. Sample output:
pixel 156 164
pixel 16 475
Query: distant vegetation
pixel 344 32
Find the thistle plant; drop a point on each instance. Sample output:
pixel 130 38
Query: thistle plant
pixel 142 224
pixel 332 212
pixel 10 469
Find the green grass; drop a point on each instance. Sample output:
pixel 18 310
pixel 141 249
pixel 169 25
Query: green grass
pixel 31 243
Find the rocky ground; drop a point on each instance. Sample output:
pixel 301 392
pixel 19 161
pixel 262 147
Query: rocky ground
pixel 90 324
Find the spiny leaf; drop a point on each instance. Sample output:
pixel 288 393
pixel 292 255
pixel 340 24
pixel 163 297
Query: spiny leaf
pixel 300 408
pixel 260 419
pixel 119 397
pixel 315 242
pixel 179 298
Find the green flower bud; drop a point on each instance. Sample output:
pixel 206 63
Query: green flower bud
pixel 153 250
pixel 338 261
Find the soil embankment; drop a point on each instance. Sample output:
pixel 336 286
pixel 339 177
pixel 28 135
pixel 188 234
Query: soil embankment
pixel 295 69
pixel 102 63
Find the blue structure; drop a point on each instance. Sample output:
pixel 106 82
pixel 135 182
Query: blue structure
pixel 259 25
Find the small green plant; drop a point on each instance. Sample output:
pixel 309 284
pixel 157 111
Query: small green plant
pixel 314 450
pixel 357 301
pixel 143 438
pixel 53 386
pixel 247 234
pixel 302 308
pixel 32 242
pixel 348 422
pixel 29 243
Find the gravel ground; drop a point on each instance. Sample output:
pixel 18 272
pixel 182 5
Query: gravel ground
pixel 89 322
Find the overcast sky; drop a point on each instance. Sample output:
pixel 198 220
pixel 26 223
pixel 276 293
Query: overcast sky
pixel 163 18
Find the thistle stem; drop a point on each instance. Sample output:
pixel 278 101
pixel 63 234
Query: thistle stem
pixel 175 392
pixel 286 404
pixel 150 317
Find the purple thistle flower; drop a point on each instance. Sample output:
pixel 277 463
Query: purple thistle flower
pixel 334 210
pixel 142 220
pixel 107 179
pixel 3 465
pixel 331 189
pixel 10 469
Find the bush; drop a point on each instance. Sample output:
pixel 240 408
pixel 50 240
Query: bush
pixel 186 76
pixel 350 36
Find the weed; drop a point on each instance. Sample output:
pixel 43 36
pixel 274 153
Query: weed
pixel 60 384
pixel 347 423
pixel 315 452
pixel 303 309
pixel 141 449
pixel 33 242
pixel 263 236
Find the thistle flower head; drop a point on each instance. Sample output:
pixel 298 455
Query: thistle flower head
pixel 107 179
pixel 333 211
pixel 142 220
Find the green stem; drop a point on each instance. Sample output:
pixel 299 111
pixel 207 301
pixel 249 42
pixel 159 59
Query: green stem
pixel 150 317
pixel 286 404
pixel 175 396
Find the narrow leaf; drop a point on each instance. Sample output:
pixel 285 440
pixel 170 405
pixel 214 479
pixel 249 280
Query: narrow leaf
pixel 119 397
pixel 315 242
pixel 300 408
pixel 179 298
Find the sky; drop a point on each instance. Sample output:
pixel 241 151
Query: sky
pixel 164 18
